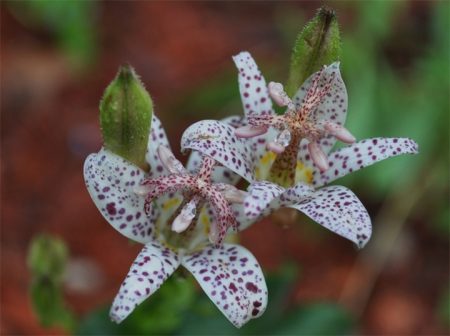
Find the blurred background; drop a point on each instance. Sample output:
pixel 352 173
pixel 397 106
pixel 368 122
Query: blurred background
pixel 57 58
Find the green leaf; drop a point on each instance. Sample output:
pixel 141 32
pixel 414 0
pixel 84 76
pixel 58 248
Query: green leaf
pixel 125 117
pixel 317 44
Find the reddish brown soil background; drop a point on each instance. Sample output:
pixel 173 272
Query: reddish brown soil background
pixel 49 125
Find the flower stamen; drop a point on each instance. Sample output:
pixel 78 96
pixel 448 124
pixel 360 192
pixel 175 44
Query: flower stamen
pixel 196 189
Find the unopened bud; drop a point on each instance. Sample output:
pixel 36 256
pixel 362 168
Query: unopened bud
pixel 317 44
pixel 125 117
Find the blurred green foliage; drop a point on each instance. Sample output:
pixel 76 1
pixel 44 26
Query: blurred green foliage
pixel 406 99
pixel 72 23
pixel 47 258
pixel 177 309
pixel 161 314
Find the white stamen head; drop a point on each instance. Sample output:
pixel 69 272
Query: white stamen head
pixel 250 131
pixel 277 93
pixel 231 193
pixel 318 156
pixel 184 219
pixel 169 161
pixel 340 132
pixel 275 147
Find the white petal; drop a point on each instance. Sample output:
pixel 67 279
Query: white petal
pixel 233 280
pixel 220 173
pixel 217 140
pixel 252 85
pixel 157 137
pixel 154 264
pixel 362 154
pixel 258 202
pixel 110 181
pixel 242 219
pixel 339 210
pixel 262 158
pixel 265 197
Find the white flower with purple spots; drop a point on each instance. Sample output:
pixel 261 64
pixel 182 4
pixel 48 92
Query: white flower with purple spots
pixel 297 158
pixel 295 146
pixel 314 117
pixel 182 217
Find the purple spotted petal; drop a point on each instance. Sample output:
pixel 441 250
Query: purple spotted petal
pixel 362 154
pixel 157 137
pixel 332 108
pixel 110 181
pixel 220 173
pixel 154 264
pixel 265 197
pixel 217 140
pixel 339 210
pixel 252 85
pixel 259 198
pixel 234 121
pixel 243 221
pixel 233 280
pixel 262 158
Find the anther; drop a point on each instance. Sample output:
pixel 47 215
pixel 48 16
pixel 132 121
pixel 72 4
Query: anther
pixel 340 132
pixel 184 219
pixel 250 131
pixel 318 156
pixel 277 93
pixel 169 161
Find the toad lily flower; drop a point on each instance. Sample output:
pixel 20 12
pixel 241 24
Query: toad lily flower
pixel 309 129
pixel 313 119
pixel 173 211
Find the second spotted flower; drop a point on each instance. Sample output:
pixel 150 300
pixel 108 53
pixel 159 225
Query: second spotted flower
pixel 182 216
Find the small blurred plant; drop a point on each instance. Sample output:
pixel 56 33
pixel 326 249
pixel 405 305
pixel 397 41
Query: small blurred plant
pixel 72 23
pixel 47 258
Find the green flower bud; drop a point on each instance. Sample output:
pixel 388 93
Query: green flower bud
pixel 317 44
pixel 125 117
pixel 47 257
